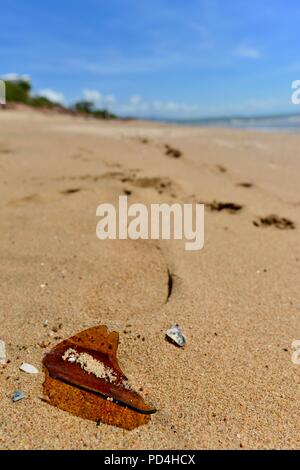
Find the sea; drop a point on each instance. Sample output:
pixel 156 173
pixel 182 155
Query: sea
pixel 281 123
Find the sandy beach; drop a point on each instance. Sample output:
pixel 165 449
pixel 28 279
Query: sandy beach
pixel 237 300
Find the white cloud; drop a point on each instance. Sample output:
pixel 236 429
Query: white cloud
pixel 135 106
pixel 135 99
pixel 93 96
pixel 138 107
pixel 172 106
pixel 247 52
pixel 109 99
pixel 52 95
pixel 15 77
pixel 97 98
pixel 157 105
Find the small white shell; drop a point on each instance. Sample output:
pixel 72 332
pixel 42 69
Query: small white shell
pixel 18 395
pixel 2 353
pixel 28 368
pixel 176 335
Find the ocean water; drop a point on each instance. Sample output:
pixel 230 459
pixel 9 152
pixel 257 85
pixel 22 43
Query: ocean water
pixel 286 123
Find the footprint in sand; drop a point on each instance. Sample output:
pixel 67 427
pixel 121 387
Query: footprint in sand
pixel 37 198
pixel 245 185
pixel 274 220
pixel 70 191
pixel 127 192
pixel 221 168
pixel 130 278
pixel 230 207
pixel 31 198
pixel 163 185
pixel 172 152
pixel 160 184
pixel 4 149
pixel 143 140
pixel 112 165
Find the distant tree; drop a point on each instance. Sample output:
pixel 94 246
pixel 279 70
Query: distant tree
pixel 84 107
pixel 41 102
pixel 18 91
pixel 103 114
pixel 87 107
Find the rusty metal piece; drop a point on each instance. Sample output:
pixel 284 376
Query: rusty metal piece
pixel 73 385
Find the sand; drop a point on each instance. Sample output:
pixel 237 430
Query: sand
pixel 237 300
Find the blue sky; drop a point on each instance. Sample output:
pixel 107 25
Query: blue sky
pixel 158 58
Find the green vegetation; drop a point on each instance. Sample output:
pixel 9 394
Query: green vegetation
pixel 42 102
pixel 104 114
pixel 87 108
pixel 19 91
